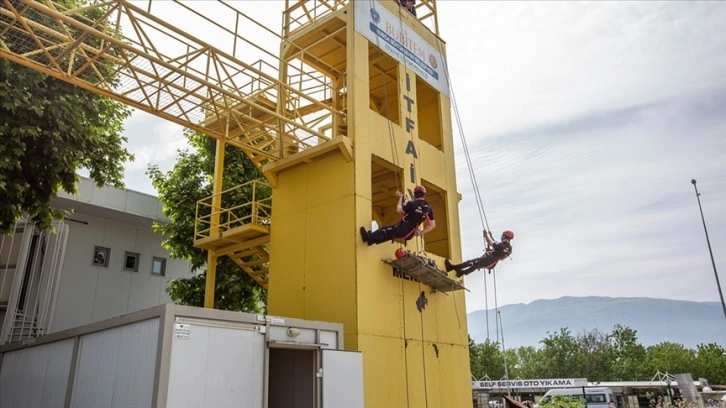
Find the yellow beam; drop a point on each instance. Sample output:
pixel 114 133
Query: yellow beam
pixel 214 229
pixel 210 280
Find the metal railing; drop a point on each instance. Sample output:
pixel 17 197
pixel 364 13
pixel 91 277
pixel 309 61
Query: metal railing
pixel 257 210
pixel 299 14
pixel 30 266
pixel 302 13
pixel 125 52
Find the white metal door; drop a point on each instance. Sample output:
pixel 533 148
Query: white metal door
pixel 216 365
pixel 342 379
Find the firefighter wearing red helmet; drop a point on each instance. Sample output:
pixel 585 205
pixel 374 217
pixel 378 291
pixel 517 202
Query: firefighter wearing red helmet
pixel 414 213
pixel 494 252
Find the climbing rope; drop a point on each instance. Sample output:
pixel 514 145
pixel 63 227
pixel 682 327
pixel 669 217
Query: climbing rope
pixel 486 303
pixel 496 302
pixel 399 186
pixel 420 243
pixel 465 147
pixel 474 183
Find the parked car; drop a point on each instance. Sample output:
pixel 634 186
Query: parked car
pixel 596 397
pixel 494 403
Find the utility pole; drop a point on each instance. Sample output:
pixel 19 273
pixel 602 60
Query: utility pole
pixel 504 354
pixel 718 284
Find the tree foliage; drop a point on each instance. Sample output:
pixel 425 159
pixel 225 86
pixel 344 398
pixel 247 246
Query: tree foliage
pixel 670 357
pixel 563 401
pixel 560 354
pixel 179 190
pixel 234 289
pixel 487 360
pixel 597 356
pixel 50 129
pixel 594 356
pixel 627 354
pixel 711 362
pixel 528 362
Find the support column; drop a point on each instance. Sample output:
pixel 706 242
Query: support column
pixel 214 227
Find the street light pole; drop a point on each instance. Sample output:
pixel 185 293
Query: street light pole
pixel 718 284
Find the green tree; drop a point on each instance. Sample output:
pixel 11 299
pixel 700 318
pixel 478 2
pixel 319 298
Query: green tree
pixel 487 359
pixel 179 190
pixel 49 129
pixel 597 356
pixel 669 357
pixel 474 359
pixel 562 401
pixel 560 354
pixel 710 363
pixel 528 363
pixel 628 356
pixel 512 363
pixel 594 355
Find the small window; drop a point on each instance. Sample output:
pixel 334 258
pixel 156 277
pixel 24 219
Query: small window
pixel 158 266
pixel 131 262
pixel 596 398
pixel 101 256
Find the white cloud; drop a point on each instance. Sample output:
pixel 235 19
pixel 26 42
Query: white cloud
pixel 535 62
pixel 609 210
pixel 151 141
pixel 586 122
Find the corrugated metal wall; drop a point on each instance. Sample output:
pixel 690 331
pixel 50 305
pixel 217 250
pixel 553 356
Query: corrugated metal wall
pixel 116 367
pixel 36 377
pixel 178 356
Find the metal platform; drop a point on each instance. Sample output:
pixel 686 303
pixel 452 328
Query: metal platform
pixel 426 272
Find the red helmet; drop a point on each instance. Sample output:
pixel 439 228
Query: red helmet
pixel 419 191
pixel 400 253
pixel 509 234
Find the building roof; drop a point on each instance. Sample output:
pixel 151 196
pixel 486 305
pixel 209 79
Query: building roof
pixel 126 206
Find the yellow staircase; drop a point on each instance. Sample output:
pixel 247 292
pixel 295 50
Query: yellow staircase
pixel 239 231
pixel 281 111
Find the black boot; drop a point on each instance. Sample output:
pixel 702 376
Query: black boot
pixel 364 234
pixel 448 265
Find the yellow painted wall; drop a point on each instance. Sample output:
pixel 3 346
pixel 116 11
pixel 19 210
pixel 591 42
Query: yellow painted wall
pixel 320 269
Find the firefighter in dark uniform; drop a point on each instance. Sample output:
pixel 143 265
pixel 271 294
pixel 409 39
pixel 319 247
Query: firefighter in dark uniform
pixel 495 252
pixel 409 5
pixel 414 213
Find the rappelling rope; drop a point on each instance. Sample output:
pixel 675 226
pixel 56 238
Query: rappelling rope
pixel 399 187
pixel 472 176
pixel 496 302
pixel 400 184
pixel 420 243
pixel 465 147
pixel 486 303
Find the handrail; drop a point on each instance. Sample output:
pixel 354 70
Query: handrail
pixel 127 53
pixel 257 211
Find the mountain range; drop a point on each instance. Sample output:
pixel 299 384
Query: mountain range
pixel 654 320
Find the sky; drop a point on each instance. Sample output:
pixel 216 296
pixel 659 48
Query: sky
pixel 585 123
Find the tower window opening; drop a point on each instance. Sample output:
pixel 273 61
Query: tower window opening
pixel 383 84
pixel 428 113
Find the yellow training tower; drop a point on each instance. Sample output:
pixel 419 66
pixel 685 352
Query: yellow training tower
pixel 391 72
pixel 355 108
